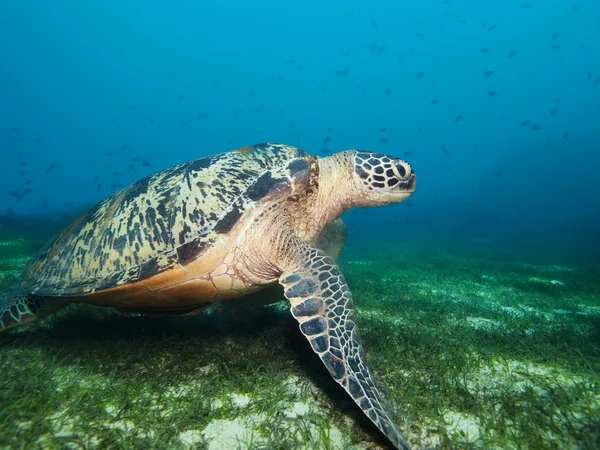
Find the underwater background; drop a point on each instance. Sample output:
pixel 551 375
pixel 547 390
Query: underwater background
pixel 478 298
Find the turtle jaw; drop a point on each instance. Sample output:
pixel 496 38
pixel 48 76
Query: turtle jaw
pixel 401 191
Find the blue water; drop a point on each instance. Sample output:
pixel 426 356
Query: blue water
pixel 94 96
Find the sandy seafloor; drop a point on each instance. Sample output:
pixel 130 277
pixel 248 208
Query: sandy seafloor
pixel 479 345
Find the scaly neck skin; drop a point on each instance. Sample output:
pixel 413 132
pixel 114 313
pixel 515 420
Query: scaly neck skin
pixel 334 194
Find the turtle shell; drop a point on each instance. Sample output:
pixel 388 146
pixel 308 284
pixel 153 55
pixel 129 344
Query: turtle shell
pixel 167 219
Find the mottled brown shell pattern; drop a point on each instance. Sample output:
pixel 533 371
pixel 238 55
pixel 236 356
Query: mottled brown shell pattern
pixel 168 218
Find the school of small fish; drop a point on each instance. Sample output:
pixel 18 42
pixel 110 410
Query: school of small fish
pixel 111 176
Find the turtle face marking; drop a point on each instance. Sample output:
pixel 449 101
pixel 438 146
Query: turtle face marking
pixel 383 179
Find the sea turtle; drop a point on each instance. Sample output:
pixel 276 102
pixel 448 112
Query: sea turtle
pixel 220 227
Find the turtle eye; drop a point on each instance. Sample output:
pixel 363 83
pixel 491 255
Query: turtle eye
pixel 402 169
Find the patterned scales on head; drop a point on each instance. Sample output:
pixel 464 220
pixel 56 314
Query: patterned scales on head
pixel 141 244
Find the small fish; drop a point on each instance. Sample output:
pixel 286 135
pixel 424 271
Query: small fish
pixel 526 5
pixel 383 140
pixel 290 61
pixel 381 48
pixel 492 93
pixel 159 89
pixel 172 74
pixel 252 93
pixel 555 35
pixel 491 27
pixel 291 125
pixel 115 186
pixel 575 9
pixel 152 121
pixel 325 150
pixel 15 129
pixel 130 106
pixel 487 73
pixel 116 174
pixel 231 140
pixel 553 111
pixel 37 141
pixel 407 153
pixel 497 172
pixel 382 130
pixel 388 91
pixel 434 101
pixel 485 50
pixel 536 127
pixel 420 74
pixel 475 147
pixel 321 88
pixel 565 134
pixel 555 47
pixel 457 119
pixel 525 123
pixel 512 53
pixel 299 68
pixel 326 140
pixel 237 111
pixel 348 15
pixel 51 167
pixel 182 123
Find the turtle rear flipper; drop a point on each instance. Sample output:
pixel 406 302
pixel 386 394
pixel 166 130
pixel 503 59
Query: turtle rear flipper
pixel 18 307
pixel 322 304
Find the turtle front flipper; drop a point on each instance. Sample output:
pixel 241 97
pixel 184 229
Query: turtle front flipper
pixel 18 307
pixel 322 304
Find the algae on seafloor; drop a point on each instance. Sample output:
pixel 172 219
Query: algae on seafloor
pixel 476 351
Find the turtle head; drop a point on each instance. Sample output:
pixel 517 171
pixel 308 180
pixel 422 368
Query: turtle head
pixel 381 179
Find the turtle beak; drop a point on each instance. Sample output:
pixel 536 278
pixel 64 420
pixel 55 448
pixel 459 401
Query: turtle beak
pixel 409 185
